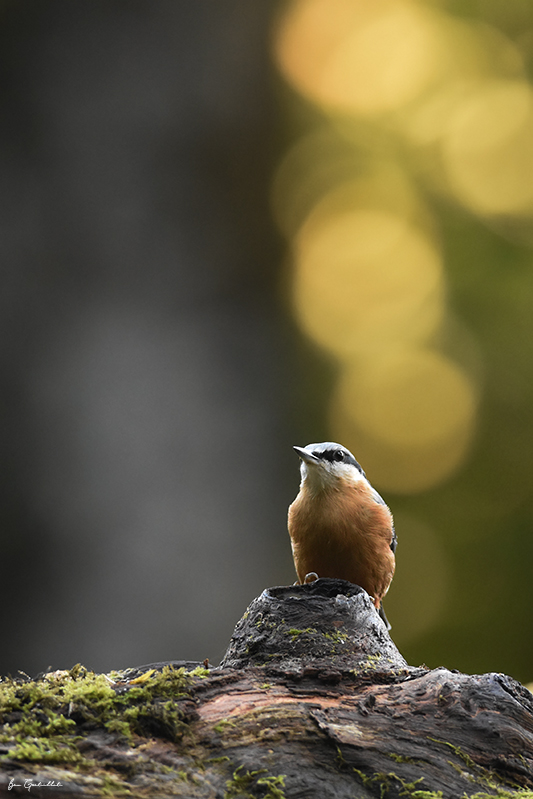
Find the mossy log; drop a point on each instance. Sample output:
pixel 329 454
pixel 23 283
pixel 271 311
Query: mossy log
pixel 312 699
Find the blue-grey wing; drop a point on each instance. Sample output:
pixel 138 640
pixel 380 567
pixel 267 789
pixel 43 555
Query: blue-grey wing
pixel 379 499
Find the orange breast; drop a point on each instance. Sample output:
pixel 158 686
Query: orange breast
pixel 343 533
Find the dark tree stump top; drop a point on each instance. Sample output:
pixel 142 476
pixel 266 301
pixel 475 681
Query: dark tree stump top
pixel 329 623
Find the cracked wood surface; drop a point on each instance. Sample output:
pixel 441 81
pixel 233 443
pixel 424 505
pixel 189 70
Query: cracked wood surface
pixel 311 700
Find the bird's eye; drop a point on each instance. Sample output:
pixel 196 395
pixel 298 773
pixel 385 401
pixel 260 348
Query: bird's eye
pixel 338 455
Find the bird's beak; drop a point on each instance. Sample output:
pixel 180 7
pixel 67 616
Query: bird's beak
pixel 308 457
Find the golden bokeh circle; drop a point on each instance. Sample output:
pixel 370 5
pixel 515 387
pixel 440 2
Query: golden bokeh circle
pixel 365 58
pixel 488 148
pixel 411 397
pixel 364 277
pixel 409 416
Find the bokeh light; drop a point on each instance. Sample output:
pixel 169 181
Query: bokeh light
pixel 406 199
pixel 322 170
pixel 488 148
pixel 364 278
pixel 410 412
pixel 368 282
pixel 473 55
pixel 433 398
pixel 356 56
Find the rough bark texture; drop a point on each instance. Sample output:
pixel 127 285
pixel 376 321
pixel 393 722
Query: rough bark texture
pixel 312 699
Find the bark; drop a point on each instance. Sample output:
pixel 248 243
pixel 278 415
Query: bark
pixel 312 699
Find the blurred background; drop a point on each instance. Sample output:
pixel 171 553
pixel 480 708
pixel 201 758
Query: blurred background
pixel 231 227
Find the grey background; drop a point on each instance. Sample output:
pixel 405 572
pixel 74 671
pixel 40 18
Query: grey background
pixel 145 466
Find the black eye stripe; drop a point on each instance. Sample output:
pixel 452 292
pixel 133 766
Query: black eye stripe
pixel 332 455
pixel 328 455
pixel 336 455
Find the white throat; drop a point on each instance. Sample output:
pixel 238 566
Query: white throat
pixel 327 476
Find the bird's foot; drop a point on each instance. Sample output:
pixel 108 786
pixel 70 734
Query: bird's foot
pixel 311 577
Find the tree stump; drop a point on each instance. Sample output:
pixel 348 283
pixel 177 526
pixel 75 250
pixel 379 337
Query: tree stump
pixel 312 699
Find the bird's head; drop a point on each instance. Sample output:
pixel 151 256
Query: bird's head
pixel 325 465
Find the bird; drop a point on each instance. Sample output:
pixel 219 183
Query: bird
pixel 339 525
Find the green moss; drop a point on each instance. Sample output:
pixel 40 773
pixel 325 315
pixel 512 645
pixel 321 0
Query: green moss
pixel 199 671
pixel 526 794
pixel 42 750
pixel 467 760
pixel 501 794
pixel 480 775
pixel 371 664
pixel 113 787
pixel 270 625
pixel 151 717
pixel 460 770
pixel 272 785
pixel 340 761
pixel 242 782
pixel 40 719
pixel 294 633
pixel 402 758
pixel 385 780
pixel 222 724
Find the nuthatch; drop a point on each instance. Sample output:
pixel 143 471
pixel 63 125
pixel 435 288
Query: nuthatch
pixel 339 525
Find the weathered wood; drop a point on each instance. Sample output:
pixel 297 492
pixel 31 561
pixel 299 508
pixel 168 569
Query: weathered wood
pixel 327 624
pixel 312 699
